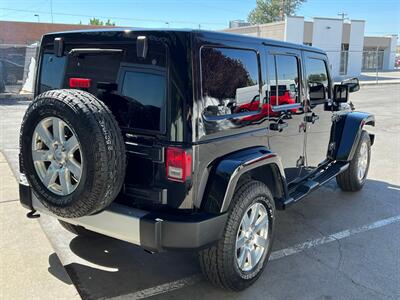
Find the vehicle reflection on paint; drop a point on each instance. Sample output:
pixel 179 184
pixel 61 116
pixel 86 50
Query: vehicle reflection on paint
pixel 285 97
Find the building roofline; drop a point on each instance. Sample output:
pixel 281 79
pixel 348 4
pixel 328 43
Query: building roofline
pixel 332 19
pixel 50 24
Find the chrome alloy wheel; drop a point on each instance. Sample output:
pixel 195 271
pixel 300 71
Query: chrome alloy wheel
pixel 252 237
pixel 362 162
pixel 57 156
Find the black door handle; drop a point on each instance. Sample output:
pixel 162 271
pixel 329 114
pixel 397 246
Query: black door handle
pixel 278 126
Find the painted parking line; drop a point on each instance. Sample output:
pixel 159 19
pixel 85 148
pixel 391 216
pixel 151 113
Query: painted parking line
pixel 187 281
pixel 163 288
pixel 394 188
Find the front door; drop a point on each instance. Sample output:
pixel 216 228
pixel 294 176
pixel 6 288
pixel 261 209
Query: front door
pixel 319 115
pixel 286 111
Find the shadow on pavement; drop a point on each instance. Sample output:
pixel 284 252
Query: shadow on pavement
pixel 123 268
pixel 117 268
pixel 57 270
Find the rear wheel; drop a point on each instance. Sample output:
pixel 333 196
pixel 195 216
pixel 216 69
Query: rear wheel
pixel 353 179
pixel 241 255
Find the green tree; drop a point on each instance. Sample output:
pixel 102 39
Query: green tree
pixel 95 21
pixel 98 22
pixel 222 75
pixel 267 11
pixel 109 23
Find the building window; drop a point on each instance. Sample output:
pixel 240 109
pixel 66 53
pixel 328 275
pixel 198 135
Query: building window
pixel 372 59
pixel 229 80
pixel 344 59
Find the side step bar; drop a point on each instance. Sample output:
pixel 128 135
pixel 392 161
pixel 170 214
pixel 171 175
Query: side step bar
pixel 315 181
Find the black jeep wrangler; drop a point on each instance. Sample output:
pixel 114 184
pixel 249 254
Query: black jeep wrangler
pixel 186 139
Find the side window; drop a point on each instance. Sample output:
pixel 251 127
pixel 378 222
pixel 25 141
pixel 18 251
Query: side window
pixel 317 79
pixel 146 92
pixel 284 86
pixel 230 82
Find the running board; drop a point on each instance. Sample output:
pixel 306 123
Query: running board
pixel 314 182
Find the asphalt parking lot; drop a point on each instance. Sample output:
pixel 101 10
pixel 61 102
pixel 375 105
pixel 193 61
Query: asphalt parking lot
pixel 332 245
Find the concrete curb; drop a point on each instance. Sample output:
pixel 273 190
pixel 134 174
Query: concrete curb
pixel 379 83
pixel 35 263
pixel 19 97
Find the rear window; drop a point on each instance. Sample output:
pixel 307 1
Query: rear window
pixel 52 75
pixel 134 88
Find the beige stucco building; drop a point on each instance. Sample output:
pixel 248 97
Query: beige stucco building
pixel 349 50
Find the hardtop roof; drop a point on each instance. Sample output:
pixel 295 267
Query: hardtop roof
pixel 204 33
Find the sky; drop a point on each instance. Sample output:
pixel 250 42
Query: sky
pixel 381 16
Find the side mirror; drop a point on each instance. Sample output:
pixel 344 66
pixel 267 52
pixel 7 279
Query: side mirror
pixel 340 93
pixel 353 84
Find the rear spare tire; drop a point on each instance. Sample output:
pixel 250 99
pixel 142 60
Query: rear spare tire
pixel 72 152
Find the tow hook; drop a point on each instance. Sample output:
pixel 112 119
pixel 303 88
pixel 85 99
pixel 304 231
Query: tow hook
pixel 32 214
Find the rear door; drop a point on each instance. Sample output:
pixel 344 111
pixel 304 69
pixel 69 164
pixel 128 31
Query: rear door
pixel 319 115
pixel 286 109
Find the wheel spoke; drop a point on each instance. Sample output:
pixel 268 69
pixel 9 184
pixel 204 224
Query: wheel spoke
pixel 50 177
pixel 41 155
pixel 253 258
pixel 75 168
pixel 261 223
pixel 254 215
pixel 245 222
pixel 44 135
pixel 260 241
pixel 250 258
pixel 65 181
pixel 58 130
pixel 240 242
pixel 71 144
pixel 242 257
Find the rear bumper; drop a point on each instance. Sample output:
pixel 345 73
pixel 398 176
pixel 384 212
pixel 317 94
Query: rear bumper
pixel 152 231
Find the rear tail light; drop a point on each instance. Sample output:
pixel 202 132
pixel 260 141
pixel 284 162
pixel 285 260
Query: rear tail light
pixel 178 164
pixel 79 83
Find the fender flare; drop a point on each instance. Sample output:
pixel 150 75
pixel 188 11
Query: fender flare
pixel 225 175
pixel 348 132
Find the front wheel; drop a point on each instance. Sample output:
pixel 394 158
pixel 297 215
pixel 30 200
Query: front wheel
pixel 353 179
pixel 240 256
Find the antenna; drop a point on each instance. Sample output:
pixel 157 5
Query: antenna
pixel 51 11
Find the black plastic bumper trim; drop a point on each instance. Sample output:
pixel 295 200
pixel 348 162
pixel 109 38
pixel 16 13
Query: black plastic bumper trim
pixel 25 196
pixel 158 234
